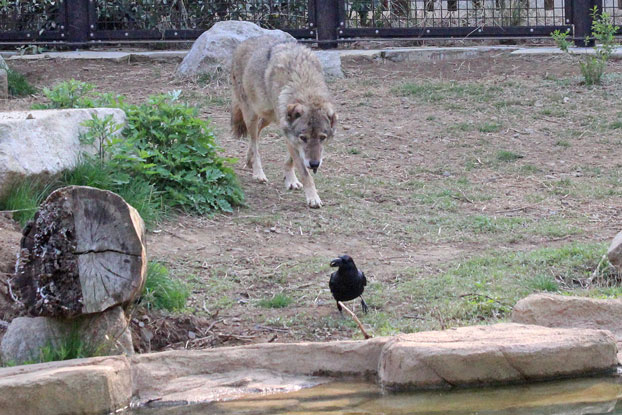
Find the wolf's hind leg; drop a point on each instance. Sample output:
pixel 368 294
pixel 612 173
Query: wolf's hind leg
pixel 252 156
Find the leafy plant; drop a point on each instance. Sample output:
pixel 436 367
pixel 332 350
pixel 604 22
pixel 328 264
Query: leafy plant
pixel 101 133
pixel 70 94
pixel 162 291
pixel 603 32
pixel 164 145
pixel 169 146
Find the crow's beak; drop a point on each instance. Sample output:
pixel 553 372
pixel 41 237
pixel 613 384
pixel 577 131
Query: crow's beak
pixel 335 262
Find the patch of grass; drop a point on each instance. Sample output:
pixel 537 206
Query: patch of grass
pixel 615 125
pixel 562 143
pixel 163 291
pixel 18 84
pixel 508 156
pixel 543 282
pixel 485 288
pixel 441 91
pixel 462 126
pixel 279 300
pixel 490 127
pixel 529 169
pixel 24 197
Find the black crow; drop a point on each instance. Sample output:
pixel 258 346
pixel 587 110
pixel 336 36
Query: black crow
pixel 347 283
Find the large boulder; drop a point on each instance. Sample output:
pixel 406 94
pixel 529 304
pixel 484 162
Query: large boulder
pixel 99 334
pixel 85 386
pixel 331 63
pixel 212 52
pixel 502 353
pixel 614 253
pixel 83 253
pixel 44 142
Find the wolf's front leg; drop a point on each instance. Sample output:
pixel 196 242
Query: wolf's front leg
pixel 291 181
pixel 313 199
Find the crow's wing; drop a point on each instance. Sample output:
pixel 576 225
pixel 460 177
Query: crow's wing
pixel 364 279
pixel 333 281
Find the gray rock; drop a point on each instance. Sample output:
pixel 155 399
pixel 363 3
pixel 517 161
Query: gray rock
pixel 331 63
pixel 212 52
pixel 44 142
pixel 614 253
pixel 101 334
pixel 3 64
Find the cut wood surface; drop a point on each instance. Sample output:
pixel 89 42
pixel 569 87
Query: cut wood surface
pixel 83 253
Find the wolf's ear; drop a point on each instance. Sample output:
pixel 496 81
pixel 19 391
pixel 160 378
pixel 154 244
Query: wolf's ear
pixel 294 111
pixel 332 116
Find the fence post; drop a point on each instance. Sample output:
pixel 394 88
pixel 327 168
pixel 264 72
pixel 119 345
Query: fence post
pixel 77 21
pixel 582 20
pixel 327 18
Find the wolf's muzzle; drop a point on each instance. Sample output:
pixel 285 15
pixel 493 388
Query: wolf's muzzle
pixel 314 165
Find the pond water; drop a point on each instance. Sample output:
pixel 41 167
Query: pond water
pixel 570 397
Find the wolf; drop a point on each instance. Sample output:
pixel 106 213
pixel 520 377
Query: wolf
pixel 282 82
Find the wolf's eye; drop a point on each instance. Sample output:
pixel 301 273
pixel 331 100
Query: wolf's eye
pixel 304 138
pixel 323 137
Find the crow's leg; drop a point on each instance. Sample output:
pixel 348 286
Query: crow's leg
pixel 340 309
pixel 365 308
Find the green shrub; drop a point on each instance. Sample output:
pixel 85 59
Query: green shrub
pixel 162 291
pixel 69 94
pixel 18 85
pixel 603 33
pixel 168 145
pixel 164 145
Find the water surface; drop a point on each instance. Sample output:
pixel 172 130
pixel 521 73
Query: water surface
pixel 571 397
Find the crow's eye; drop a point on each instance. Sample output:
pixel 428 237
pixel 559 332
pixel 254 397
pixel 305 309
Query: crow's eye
pixel 323 137
pixel 304 138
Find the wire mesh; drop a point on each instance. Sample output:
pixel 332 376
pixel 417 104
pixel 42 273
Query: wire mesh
pixel 614 9
pixel 454 13
pixel 31 16
pixel 198 14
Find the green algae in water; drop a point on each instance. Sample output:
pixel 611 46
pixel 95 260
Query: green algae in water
pixel 570 397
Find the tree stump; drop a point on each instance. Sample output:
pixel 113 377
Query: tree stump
pixel 83 253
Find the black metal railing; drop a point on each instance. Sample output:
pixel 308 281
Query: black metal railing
pixel 327 22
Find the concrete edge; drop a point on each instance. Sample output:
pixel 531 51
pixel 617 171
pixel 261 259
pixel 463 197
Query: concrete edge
pixel 396 54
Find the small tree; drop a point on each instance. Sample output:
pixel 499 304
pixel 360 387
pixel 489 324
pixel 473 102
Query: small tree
pixel 603 31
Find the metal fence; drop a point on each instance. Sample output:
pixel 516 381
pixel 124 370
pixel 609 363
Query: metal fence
pixel 324 21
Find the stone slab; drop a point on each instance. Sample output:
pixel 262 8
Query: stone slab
pixel 82 386
pixel 617 53
pixel 498 354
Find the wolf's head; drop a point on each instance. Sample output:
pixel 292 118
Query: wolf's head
pixel 308 127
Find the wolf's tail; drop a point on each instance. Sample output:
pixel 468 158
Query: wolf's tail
pixel 238 127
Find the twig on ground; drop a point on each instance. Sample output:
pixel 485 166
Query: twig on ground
pixel 365 334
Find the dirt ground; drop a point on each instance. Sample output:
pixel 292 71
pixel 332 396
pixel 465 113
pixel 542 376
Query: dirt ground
pixel 457 186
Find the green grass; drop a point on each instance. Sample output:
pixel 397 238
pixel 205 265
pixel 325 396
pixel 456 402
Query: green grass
pixel 163 291
pixel 441 91
pixel 18 84
pixel 490 127
pixel 279 300
pixel 25 196
pixel 485 288
pixel 508 156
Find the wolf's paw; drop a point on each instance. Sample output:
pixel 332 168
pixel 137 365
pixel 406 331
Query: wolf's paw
pixel 314 202
pixel 292 184
pixel 260 177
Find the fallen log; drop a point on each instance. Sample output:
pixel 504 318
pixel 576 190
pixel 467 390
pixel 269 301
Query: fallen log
pixel 83 253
